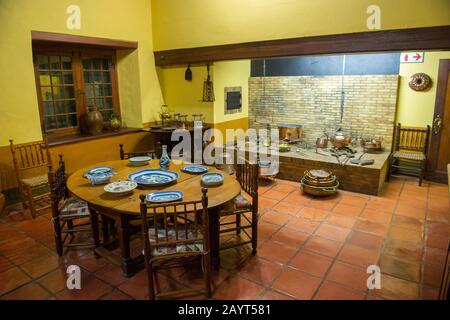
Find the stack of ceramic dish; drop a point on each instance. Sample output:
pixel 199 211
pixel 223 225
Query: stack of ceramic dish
pixel 99 175
pixel 319 182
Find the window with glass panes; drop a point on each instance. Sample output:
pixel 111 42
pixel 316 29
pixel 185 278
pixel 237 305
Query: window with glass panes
pixel 72 83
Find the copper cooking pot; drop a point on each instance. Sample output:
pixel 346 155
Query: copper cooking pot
pixel 340 140
pixel 322 142
pixel 375 143
pixel 290 132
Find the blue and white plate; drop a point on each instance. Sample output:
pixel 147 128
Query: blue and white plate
pixel 164 196
pixel 195 168
pixel 120 188
pixel 153 177
pixel 212 179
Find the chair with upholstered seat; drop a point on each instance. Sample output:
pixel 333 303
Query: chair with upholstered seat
pixel 68 213
pixel 410 151
pixel 30 163
pixel 244 208
pixel 178 234
pixel 153 153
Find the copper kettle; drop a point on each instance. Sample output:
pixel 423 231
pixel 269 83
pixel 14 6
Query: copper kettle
pixel 322 142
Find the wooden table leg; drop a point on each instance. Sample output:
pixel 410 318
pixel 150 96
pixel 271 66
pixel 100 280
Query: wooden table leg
pixel 124 242
pixel 105 229
pixel 214 233
pixel 94 224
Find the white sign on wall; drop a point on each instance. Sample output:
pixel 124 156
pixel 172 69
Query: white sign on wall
pixel 411 57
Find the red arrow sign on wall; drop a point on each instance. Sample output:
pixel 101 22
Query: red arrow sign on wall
pixel 411 57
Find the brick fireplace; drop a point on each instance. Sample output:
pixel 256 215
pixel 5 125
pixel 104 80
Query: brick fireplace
pixel 315 102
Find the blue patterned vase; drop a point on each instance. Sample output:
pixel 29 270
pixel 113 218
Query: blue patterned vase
pixel 164 161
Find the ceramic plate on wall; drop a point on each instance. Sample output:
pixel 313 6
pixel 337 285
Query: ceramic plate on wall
pixel 164 196
pixel 212 179
pixel 153 177
pixel 195 168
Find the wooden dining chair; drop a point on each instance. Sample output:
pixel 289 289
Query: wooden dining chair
pixel 179 233
pixel 153 153
pixel 68 213
pixel 410 151
pixel 242 209
pixel 30 160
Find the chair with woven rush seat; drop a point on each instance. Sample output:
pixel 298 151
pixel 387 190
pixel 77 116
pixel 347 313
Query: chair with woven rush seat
pixel 410 150
pixel 241 208
pixel 178 233
pixel 65 210
pixel 153 153
pixel 29 159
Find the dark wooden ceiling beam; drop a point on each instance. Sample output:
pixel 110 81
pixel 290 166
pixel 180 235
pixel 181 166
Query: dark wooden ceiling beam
pixel 430 38
pixel 39 38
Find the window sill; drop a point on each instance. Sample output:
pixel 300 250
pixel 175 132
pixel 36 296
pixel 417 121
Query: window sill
pixel 74 138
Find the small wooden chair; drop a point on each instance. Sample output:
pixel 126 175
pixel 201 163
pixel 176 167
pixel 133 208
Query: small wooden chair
pixel 31 158
pixel 247 175
pixel 410 150
pixel 65 210
pixel 179 233
pixel 153 153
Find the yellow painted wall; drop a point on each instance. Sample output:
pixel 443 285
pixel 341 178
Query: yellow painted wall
pixel 139 90
pixel 193 23
pixel 186 96
pixel 230 74
pixel 416 108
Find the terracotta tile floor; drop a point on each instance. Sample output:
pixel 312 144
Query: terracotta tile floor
pixel 308 249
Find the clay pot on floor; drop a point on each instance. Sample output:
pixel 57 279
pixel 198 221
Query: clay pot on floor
pixel 94 121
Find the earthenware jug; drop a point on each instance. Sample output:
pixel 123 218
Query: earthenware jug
pixel 94 121
pixel 164 161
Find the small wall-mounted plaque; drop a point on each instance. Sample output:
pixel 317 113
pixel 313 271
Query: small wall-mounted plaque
pixel 233 100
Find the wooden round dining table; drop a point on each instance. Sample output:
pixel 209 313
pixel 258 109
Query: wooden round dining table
pixel 124 209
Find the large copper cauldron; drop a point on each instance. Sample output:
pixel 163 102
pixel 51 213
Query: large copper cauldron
pixel 290 132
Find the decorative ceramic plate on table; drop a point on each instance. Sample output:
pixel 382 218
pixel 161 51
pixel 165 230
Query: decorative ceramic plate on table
pixel 99 175
pixel 153 177
pixel 139 161
pixel 120 188
pixel 212 179
pixel 195 168
pixel 164 196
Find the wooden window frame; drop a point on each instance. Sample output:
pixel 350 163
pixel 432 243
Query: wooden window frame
pixel 77 53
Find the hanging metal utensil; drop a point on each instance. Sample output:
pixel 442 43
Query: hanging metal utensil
pixel 208 88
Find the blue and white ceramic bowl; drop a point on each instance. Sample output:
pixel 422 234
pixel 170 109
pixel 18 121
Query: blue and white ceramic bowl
pixel 164 196
pixel 99 175
pixel 194 168
pixel 212 179
pixel 153 177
